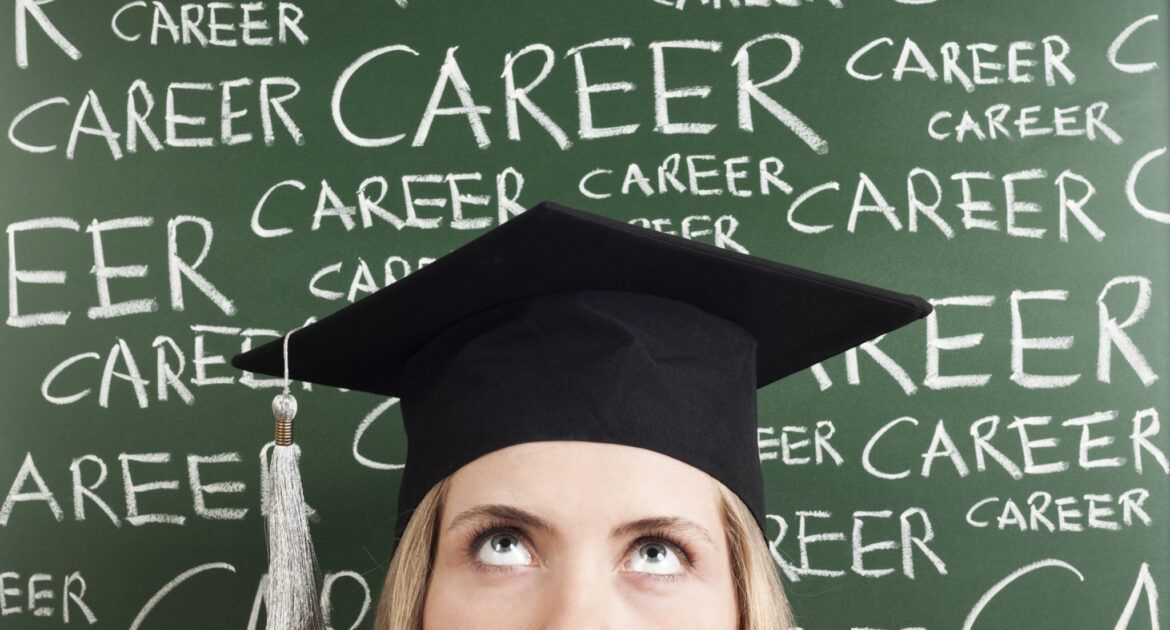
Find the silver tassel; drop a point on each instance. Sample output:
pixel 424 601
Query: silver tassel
pixel 294 578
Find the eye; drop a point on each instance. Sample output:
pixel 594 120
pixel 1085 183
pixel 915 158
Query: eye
pixel 498 547
pixel 658 558
pixel 503 548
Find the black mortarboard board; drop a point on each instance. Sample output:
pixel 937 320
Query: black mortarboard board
pixel 560 324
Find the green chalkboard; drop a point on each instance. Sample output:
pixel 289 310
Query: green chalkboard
pixel 175 193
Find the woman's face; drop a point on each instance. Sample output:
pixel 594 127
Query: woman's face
pixel 580 535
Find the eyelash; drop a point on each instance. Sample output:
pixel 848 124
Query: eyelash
pixel 483 532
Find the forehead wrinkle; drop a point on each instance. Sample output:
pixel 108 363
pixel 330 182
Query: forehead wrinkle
pixel 675 524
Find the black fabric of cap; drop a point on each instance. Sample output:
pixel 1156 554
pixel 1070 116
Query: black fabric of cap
pixel 560 324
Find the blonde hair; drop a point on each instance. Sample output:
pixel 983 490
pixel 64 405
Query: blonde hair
pixel 760 597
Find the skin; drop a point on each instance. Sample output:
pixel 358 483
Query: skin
pixel 578 573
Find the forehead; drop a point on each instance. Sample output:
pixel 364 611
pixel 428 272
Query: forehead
pixel 570 480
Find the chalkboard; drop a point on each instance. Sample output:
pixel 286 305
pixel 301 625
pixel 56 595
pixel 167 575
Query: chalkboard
pixel 182 182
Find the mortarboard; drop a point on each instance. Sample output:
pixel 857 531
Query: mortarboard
pixel 560 324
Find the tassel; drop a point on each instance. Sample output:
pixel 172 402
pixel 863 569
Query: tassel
pixel 293 589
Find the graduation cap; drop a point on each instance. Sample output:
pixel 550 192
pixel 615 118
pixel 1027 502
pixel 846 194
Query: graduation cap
pixel 560 324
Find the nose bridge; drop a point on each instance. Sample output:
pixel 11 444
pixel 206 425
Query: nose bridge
pixel 582 592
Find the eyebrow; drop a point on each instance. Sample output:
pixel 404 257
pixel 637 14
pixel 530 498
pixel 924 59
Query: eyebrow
pixel 670 524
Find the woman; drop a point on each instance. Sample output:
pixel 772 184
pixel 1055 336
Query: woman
pixel 494 570
pixel 579 401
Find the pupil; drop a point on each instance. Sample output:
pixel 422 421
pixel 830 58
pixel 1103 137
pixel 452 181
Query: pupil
pixel 503 546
